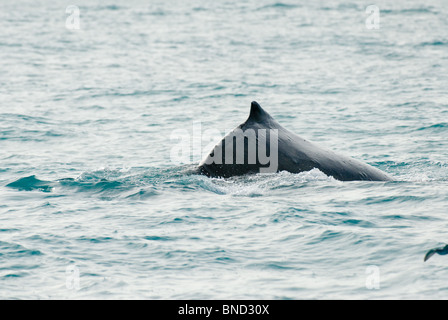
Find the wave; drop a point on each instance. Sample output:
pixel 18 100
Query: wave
pixel 435 127
pixel 416 171
pixel 112 7
pixel 280 5
pixel 433 43
pixel 145 183
pixel 31 183
pixel 16 250
pixel 410 10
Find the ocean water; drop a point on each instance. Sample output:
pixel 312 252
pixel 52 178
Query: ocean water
pixel 93 205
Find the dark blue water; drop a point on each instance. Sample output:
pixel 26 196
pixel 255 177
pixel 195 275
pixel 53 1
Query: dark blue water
pixel 93 205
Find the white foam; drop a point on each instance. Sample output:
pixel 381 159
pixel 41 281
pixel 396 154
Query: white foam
pixel 261 184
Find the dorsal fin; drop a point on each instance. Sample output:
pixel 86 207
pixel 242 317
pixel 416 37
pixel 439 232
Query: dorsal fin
pixel 257 113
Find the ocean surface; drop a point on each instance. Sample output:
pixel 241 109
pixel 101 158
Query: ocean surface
pixel 95 204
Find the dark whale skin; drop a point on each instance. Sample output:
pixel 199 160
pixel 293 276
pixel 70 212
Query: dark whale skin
pixel 295 155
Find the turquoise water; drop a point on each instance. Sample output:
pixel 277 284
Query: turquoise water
pixel 88 183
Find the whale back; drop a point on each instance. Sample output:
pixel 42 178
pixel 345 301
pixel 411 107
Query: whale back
pixel 285 150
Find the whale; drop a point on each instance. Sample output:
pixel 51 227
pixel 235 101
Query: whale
pixel 262 145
